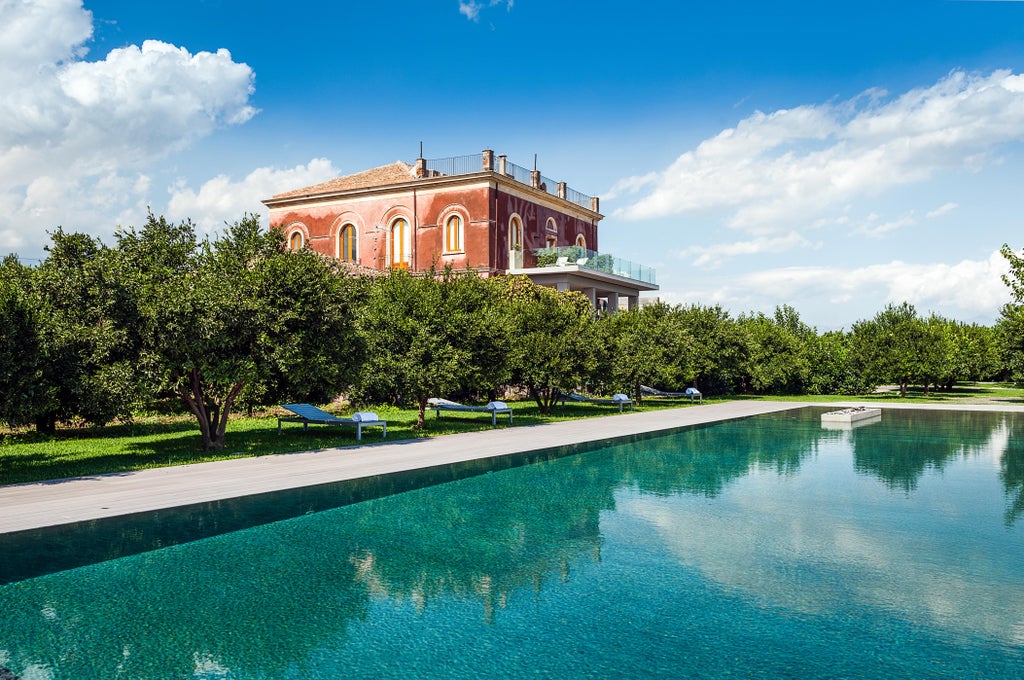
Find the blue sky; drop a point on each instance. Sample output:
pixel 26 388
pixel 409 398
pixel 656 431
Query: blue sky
pixel 831 156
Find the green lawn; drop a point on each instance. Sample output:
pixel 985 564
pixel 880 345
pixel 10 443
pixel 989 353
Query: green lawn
pixel 27 456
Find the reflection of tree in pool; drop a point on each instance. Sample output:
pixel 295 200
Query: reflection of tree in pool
pixel 912 442
pixel 1011 471
pixel 484 537
pixel 705 460
pixel 231 603
pixel 263 600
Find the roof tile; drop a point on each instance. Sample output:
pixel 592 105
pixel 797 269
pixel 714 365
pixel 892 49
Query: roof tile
pixel 395 173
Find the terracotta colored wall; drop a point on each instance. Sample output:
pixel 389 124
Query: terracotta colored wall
pixel 535 218
pixel 484 244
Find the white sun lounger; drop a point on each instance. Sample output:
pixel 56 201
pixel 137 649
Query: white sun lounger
pixel 619 400
pixel 493 407
pixel 691 392
pixel 306 414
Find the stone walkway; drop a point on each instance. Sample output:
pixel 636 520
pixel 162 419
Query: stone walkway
pixel 43 504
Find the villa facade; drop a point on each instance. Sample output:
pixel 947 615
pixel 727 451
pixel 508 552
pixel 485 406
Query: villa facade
pixel 479 213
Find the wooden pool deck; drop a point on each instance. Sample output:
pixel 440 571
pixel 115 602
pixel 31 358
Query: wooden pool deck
pixel 43 504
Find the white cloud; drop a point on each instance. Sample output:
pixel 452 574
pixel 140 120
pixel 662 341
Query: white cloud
pixel 875 230
pixel 713 255
pixel 969 290
pixel 471 8
pixel 221 200
pixel 796 164
pixel 76 136
pixel 942 210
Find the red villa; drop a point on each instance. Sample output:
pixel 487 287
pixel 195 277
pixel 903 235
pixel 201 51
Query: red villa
pixel 479 213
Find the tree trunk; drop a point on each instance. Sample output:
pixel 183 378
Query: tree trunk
pixel 421 415
pixel 212 418
pixel 903 389
pixel 46 423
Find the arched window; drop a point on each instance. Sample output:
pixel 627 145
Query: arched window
pixel 581 241
pixel 453 234
pixel 347 243
pixel 295 240
pixel 551 241
pixel 401 243
pixel 515 233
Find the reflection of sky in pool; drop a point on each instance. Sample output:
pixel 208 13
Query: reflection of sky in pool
pixel 766 547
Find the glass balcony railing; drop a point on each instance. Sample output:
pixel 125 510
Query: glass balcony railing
pixel 593 260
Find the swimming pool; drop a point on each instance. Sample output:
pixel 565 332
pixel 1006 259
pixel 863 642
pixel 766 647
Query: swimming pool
pixel 762 547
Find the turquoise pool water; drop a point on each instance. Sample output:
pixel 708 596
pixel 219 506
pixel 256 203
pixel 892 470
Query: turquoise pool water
pixel 767 547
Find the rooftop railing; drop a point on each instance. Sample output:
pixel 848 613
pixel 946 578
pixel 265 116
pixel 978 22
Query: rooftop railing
pixel 455 165
pixel 595 261
pixel 517 172
pixel 467 165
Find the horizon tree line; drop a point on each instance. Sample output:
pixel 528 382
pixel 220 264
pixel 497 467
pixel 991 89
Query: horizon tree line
pixel 95 333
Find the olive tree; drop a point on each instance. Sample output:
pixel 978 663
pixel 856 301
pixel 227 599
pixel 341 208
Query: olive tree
pixel 221 313
pixel 20 348
pixel 429 336
pixel 554 337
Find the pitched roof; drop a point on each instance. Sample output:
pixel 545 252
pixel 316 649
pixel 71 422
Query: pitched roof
pixel 396 173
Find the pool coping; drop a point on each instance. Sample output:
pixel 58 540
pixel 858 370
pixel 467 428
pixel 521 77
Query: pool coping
pixel 36 505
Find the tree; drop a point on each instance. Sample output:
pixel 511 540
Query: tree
pixel 1011 323
pixel 87 334
pixel 428 336
pixel 718 350
pixel 20 347
pixel 219 314
pixel 897 346
pixel 645 346
pixel 1009 333
pixel 776 358
pixel 830 371
pixel 554 339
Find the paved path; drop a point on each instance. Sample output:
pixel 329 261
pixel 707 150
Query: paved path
pixel 35 505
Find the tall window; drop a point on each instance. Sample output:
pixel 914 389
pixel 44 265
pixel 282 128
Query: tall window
pixel 347 243
pixel 581 241
pixel 515 233
pixel 453 234
pixel 551 241
pixel 295 240
pixel 401 243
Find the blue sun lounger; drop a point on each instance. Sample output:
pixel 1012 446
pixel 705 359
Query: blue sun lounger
pixel 493 407
pixel 306 414
pixel 691 392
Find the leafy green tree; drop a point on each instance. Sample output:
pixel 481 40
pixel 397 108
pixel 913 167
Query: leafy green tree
pixel 776 357
pixel 428 336
pixel 87 327
pixel 644 346
pixel 219 314
pixel 554 339
pixel 310 350
pixel 1011 323
pixel 718 351
pixel 897 346
pixel 830 366
pixel 20 347
pixel 1009 334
